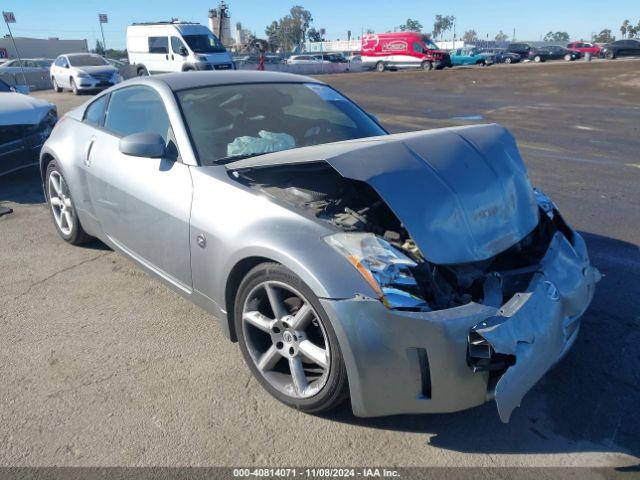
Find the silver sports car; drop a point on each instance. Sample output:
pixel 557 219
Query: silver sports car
pixel 415 272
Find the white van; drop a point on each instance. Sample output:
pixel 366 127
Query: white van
pixel 175 47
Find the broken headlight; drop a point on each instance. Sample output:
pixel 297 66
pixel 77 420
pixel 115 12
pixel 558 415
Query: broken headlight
pixel 385 268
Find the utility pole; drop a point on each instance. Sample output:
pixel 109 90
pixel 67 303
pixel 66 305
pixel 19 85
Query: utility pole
pixel 103 18
pixel 514 35
pixel 9 17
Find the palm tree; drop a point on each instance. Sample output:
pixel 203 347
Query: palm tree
pixel 624 28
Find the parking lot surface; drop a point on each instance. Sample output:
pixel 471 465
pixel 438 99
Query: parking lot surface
pixel 102 365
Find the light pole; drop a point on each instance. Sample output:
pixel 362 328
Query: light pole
pixel 103 18
pixel 9 17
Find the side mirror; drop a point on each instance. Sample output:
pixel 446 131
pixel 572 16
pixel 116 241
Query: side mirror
pixel 149 145
pixel 183 51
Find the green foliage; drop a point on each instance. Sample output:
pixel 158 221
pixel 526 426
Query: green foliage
pixel 411 25
pixel 561 37
pixel 289 31
pixel 442 24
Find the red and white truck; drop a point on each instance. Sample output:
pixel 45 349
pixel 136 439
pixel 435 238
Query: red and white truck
pixel 401 50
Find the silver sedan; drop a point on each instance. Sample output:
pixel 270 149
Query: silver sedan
pixel 414 273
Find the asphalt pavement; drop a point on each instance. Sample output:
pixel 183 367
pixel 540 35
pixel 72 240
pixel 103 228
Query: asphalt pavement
pixel 102 365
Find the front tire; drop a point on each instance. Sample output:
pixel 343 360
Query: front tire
pixel 427 66
pixel 287 340
pixel 74 87
pixel 62 208
pixel 567 57
pixel 537 59
pixel 507 60
pixel 56 88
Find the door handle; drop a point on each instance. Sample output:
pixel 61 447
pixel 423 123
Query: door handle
pixel 172 57
pixel 87 158
pixel 166 56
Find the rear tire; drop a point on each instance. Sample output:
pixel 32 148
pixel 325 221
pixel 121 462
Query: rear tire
pixel 62 208
pixel 142 72
pixel 276 345
pixel 567 57
pixel 380 67
pixel 507 60
pixel 56 88
pixel 610 55
pixel 537 59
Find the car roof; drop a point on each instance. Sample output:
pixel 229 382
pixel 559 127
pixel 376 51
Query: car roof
pixel 186 80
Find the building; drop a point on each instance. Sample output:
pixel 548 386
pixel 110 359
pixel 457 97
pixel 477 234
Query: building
pixel 220 24
pixel 41 47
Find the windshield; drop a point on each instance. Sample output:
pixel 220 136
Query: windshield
pixel 429 43
pixel 204 43
pixel 238 121
pixel 86 61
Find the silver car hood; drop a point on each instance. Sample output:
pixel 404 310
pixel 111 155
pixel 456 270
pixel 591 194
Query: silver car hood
pixel 462 193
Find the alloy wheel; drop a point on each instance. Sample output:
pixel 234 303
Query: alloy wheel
pixel 285 339
pixel 60 202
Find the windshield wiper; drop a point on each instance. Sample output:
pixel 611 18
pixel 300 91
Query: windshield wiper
pixel 234 158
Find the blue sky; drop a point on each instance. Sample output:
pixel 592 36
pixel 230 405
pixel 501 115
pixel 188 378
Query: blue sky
pixel 79 18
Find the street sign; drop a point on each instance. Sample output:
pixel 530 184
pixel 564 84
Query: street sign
pixel 9 17
pixel 103 18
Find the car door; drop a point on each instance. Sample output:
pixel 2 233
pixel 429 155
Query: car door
pixel 158 55
pixel 177 57
pixel 142 204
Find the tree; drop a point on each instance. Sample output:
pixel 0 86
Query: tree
pixel 604 37
pixel 442 24
pixel 470 36
pixel 313 35
pixel 633 31
pixel 501 37
pixel 624 28
pixel 562 37
pixel 369 31
pixel 99 48
pixel 291 30
pixel 411 25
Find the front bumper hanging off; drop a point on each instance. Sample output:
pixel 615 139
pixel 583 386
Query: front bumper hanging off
pixel 427 362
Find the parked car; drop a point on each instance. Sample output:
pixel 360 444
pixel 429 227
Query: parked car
pixel 501 55
pixel 306 59
pixel 470 56
pixel 83 72
pixel 553 52
pixel 39 63
pixel 422 266
pixel 402 50
pixel 585 47
pixel 621 48
pixel 332 57
pixel 521 49
pixel 25 123
pixel 174 46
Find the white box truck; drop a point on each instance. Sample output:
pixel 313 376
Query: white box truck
pixel 174 46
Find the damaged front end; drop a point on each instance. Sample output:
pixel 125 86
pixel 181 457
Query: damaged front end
pixel 481 282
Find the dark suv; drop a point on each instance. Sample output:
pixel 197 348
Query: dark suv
pixel 521 49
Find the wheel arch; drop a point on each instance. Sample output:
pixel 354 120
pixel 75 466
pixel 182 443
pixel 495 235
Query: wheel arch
pixel 235 277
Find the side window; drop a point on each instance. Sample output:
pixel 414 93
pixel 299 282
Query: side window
pixel 176 45
pixel 95 111
pixel 139 110
pixel 158 45
pixel 417 48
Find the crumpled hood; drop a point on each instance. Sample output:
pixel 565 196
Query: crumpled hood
pixel 19 109
pixel 462 193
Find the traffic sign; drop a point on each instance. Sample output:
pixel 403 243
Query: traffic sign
pixel 9 17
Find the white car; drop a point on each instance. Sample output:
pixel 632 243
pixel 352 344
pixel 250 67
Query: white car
pixel 82 72
pixel 25 124
pixel 305 60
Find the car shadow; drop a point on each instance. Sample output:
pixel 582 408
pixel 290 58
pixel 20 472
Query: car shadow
pixel 589 402
pixel 24 187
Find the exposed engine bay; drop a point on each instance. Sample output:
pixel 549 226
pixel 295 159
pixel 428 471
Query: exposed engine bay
pixel 354 206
